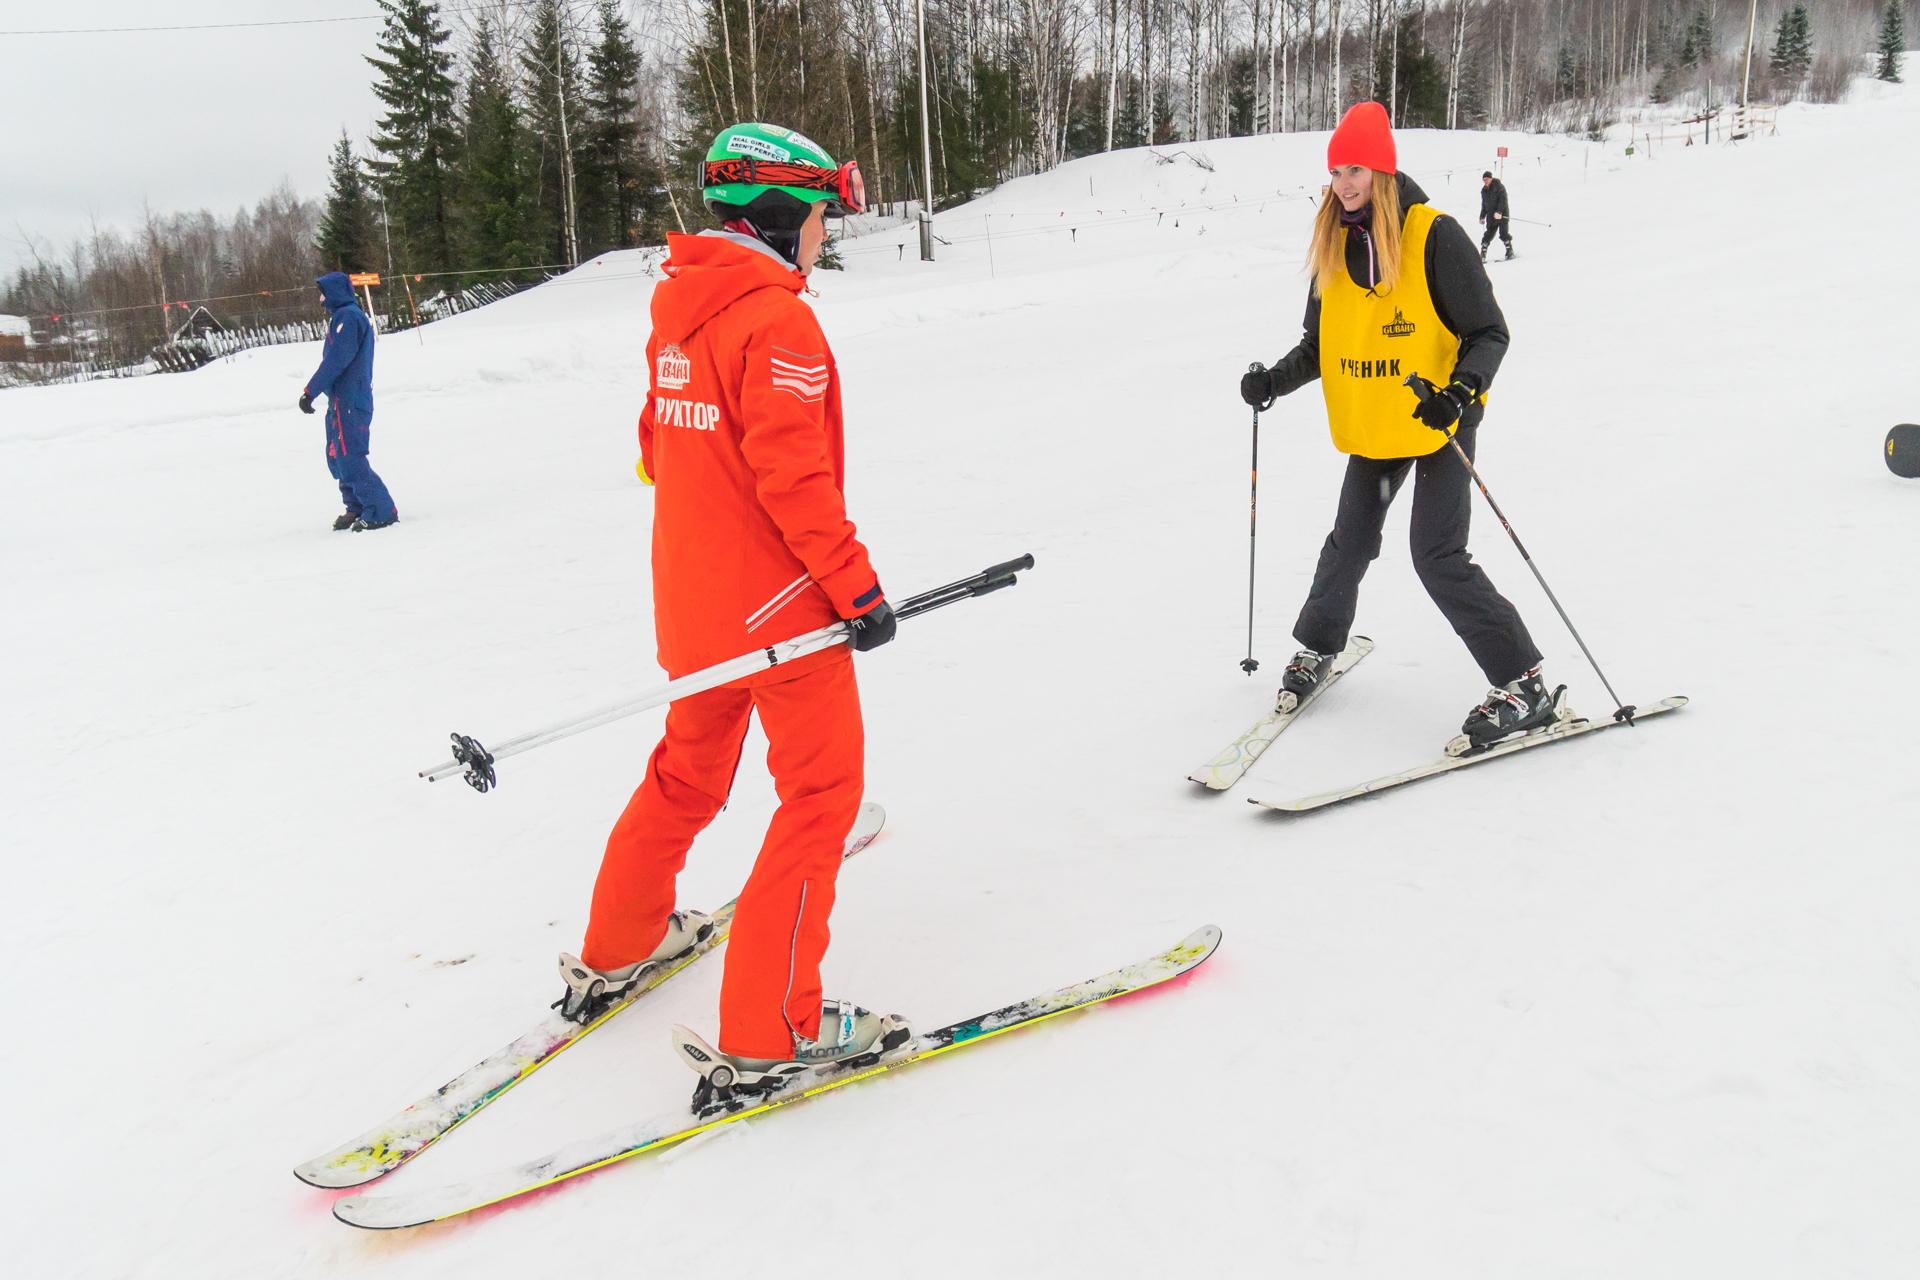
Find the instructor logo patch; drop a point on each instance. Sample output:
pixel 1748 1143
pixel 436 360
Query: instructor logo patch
pixel 1399 328
pixel 672 370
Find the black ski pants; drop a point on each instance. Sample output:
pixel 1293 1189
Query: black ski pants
pixel 1486 237
pixel 1442 508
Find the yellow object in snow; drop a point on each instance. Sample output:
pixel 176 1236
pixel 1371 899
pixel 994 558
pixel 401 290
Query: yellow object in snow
pixel 640 469
pixel 1370 341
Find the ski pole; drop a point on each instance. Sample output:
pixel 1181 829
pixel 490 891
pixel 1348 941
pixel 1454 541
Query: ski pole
pixel 1621 710
pixel 1530 222
pixel 1251 664
pixel 476 762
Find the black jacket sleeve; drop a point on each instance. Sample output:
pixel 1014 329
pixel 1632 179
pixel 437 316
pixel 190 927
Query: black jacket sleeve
pixel 1302 364
pixel 1464 298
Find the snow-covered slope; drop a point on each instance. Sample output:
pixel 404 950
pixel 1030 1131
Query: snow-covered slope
pixel 1648 1005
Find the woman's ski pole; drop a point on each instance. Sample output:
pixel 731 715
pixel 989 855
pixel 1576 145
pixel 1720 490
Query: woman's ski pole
pixel 476 762
pixel 1426 391
pixel 1251 664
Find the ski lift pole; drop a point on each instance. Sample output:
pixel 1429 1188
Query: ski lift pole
pixel 1621 711
pixel 476 762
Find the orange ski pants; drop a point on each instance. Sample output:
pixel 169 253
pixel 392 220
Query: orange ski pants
pixel 816 751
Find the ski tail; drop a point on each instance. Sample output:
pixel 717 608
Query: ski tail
pixel 1559 731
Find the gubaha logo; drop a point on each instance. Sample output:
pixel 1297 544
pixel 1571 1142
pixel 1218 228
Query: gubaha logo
pixel 672 370
pixel 1400 327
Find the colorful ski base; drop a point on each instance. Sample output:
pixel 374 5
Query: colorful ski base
pixel 1233 762
pixel 438 1203
pixel 1573 728
pixel 393 1142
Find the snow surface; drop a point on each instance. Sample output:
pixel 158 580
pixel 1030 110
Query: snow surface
pixel 1644 1006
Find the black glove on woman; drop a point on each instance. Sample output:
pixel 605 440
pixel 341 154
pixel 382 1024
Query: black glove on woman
pixel 1256 388
pixel 1443 408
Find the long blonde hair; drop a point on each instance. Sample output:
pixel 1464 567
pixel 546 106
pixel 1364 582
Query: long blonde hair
pixel 1326 254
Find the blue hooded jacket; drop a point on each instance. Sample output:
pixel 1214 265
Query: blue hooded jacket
pixel 345 375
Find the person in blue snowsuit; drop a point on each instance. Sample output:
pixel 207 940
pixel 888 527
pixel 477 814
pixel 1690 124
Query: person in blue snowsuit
pixel 345 378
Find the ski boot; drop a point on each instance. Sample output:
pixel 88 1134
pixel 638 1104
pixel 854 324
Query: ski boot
pixel 345 520
pixel 363 524
pixel 1509 257
pixel 1511 711
pixel 591 992
pixel 1302 676
pixel 849 1037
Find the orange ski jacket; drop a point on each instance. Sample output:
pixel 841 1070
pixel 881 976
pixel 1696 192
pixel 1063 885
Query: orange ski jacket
pixel 742 436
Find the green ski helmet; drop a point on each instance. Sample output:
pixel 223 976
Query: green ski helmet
pixel 771 175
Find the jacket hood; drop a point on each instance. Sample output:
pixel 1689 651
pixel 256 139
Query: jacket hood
pixel 1410 191
pixel 708 273
pixel 336 289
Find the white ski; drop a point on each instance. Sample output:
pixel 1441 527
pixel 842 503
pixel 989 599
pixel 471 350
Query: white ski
pixel 431 1204
pixel 402 1136
pixel 1571 728
pixel 1233 761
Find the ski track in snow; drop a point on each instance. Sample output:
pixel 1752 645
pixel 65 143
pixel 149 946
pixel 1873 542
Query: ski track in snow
pixel 1647 1006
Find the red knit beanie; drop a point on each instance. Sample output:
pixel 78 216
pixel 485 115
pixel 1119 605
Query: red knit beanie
pixel 1364 137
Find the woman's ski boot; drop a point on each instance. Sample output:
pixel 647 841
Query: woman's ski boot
pixel 1303 676
pixel 849 1037
pixel 1511 711
pixel 591 992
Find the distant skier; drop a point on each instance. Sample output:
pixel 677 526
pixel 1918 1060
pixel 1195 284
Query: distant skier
pixel 742 439
pixel 345 378
pixel 1493 214
pixel 1396 290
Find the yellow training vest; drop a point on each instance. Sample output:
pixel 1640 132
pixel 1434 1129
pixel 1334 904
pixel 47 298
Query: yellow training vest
pixel 1370 342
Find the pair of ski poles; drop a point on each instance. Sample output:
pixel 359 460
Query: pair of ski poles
pixel 1425 390
pixel 476 762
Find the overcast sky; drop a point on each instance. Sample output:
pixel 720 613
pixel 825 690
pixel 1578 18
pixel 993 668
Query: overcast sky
pixel 95 124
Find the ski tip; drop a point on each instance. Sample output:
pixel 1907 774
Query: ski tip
pixel 1196 946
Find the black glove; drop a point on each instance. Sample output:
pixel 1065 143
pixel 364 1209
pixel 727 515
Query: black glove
pixel 306 402
pixel 874 627
pixel 1256 388
pixel 1443 408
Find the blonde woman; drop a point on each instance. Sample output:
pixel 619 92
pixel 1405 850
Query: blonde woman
pixel 1398 288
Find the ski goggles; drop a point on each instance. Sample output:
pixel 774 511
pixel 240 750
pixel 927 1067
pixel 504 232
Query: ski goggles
pixel 848 187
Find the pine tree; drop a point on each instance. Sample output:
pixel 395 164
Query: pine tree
pixel 551 68
pixel 1802 41
pixel 1893 39
pixel 494 184
pixel 1698 47
pixel 418 137
pixel 347 240
pixel 1793 45
pixel 617 178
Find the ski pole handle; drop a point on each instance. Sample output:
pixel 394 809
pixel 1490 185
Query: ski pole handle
pixel 1420 387
pixel 1008 569
pixel 987 580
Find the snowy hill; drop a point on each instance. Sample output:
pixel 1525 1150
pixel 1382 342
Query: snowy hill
pixel 1648 1005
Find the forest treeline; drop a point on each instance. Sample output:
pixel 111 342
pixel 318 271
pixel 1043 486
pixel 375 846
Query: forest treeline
pixel 517 135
